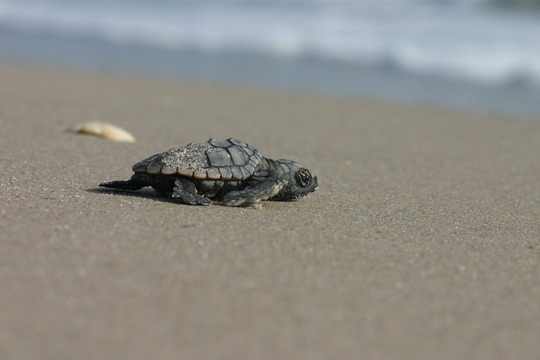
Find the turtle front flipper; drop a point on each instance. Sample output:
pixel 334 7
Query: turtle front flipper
pixel 186 191
pixel 262 186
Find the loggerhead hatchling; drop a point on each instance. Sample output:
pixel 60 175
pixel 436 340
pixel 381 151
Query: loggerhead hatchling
pixel 229 170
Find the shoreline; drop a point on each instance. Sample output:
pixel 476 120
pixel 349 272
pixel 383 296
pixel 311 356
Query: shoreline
pixel 422 241
pixel 514 98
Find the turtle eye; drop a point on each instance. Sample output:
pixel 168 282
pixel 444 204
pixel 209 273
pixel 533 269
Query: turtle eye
pixel 303 178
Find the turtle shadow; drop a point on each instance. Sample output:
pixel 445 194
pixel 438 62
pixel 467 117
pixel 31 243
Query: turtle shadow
pixel 143 193
pixel 146 193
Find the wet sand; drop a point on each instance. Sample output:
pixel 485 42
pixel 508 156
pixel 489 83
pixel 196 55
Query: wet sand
pixel 422 242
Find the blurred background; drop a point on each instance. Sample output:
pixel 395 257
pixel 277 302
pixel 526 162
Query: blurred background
pixel 479 55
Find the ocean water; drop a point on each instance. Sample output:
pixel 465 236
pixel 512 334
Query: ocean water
pixel 464 53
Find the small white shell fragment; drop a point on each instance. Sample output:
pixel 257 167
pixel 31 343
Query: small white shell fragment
pixel 103 130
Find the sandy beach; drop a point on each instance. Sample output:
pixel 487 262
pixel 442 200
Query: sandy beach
pixel 422 242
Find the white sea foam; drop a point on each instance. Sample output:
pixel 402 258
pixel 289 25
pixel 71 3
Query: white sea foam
pixel 458 39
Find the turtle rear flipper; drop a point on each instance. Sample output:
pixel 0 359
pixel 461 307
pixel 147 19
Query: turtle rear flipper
pixel 186 191
pixel 123 185
pixel 262 186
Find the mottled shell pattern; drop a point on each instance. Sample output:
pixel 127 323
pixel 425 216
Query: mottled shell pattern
pixel 216 159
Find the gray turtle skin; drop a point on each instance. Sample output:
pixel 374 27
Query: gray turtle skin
pixel 228 170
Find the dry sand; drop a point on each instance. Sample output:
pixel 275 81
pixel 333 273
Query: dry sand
pixel 422 242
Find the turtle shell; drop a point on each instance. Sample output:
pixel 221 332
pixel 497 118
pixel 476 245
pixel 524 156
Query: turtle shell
pixel 216 159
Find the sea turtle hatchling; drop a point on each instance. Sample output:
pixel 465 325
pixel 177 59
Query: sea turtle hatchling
pixel 229 170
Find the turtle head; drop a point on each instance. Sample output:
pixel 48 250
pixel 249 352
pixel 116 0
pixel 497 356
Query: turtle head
pixel 298 180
